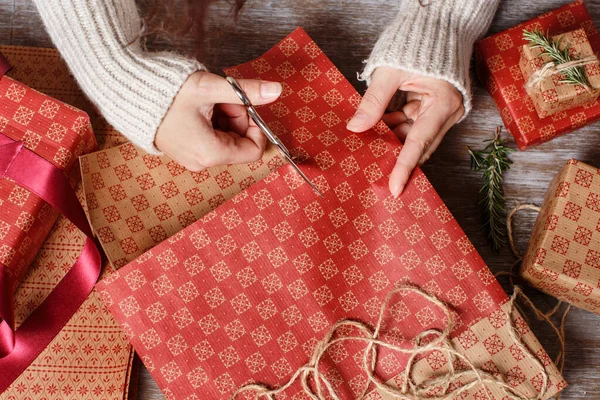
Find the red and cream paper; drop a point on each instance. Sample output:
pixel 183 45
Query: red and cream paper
pixel 90 358
pixel 137 200
pixel 497 59
pixel 563 257
pixel 246 292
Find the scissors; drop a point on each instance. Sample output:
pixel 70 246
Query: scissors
pixel 268 132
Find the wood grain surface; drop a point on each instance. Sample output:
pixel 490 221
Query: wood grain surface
pixel 346 30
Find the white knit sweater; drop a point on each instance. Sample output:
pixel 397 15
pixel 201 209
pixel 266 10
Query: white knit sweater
pixel 134 89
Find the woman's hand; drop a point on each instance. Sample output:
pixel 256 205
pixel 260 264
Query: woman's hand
pixel 207 125
pixel 432 107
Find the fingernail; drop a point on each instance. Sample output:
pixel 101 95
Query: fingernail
pixel 357 121
pixel 268 90
pixel 396 190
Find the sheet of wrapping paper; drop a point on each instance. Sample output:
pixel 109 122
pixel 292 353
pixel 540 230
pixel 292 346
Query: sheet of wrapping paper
pixel 136 200
pixel 552 95
pixel 90 358
pixel 245 293
pixel 58 133
pixel 497 65
pixel 563 257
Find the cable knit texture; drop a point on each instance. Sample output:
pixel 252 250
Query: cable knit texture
pixel 434 39
pixel 132 88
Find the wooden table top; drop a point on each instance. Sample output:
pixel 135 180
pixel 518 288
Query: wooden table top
pixel 346 31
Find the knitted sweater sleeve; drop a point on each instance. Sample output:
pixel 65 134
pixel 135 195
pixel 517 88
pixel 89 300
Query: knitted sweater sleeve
pixel 434 39
pixel 132 88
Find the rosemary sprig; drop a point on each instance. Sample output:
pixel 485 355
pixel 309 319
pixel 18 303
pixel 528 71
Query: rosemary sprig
pixel 493 161
pixel 573 75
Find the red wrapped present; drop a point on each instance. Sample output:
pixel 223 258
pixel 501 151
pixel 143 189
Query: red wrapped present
pixel 55 131
pixel 497 64
pixel 90 358
pixel 40 141
pixel 247 292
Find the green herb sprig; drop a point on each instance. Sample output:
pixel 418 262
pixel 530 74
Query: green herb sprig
pixel 574 75
pixel 493 161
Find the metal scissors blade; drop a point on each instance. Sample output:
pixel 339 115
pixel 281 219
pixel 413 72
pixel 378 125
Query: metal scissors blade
pixel 267 131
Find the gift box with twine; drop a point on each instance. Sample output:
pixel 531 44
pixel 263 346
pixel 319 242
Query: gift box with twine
pixel 547 81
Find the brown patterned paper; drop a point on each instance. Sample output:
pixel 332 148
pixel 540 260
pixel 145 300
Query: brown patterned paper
pixel 90 359
pixel 563 257
pixel 497 61
pixel 246 292
pixel 551 95
pixel 137 200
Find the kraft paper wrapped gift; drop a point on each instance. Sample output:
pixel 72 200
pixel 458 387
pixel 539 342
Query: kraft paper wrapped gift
pixel 90 358
pixel 563 257
pixel 497 65
pixel 551 95
pixel 245 293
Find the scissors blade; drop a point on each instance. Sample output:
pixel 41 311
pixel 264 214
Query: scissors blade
pixel 303 175
pixel 267 131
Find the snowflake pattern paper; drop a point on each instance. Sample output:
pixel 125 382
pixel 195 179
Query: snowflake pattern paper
pixel 246 292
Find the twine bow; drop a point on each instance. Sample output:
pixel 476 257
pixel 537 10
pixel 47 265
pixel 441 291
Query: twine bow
pixel 439 340
pixel 550 68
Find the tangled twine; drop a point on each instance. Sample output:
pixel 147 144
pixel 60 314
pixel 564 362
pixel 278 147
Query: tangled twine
pixel 550 68
pixel 322 388
pixel 541 316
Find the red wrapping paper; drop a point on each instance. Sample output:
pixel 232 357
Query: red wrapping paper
pixel 57 132
pixel 497 62
pixel 247 291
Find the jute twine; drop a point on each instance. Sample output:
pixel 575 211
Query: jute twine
pixel 447 386
pixel 550 68
pixel 560 329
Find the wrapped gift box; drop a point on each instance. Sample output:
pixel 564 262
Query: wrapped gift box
pixel 55 131
pixel 497 64
pixel 246 292
pixel 563 257
pixel 551 94
pixel 90 359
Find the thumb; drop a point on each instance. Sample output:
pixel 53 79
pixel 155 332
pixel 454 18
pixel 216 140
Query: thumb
pixel 218 91
pixel 374 102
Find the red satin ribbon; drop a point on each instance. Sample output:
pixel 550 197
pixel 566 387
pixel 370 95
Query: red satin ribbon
pixel 19 348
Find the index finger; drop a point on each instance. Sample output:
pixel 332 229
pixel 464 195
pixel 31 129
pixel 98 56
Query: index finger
pixel 419 138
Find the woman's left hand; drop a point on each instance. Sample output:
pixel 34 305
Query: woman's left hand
pixel 432 107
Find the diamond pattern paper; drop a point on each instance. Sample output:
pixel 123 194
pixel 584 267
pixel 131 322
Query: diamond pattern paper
pixel 90 358
pixel 563 257
pixel 497 59
pixel 246 292
pixel 137 200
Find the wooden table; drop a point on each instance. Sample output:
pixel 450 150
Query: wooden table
pixel 346 31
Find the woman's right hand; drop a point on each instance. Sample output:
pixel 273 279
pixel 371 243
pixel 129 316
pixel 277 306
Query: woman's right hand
pixel 207 125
